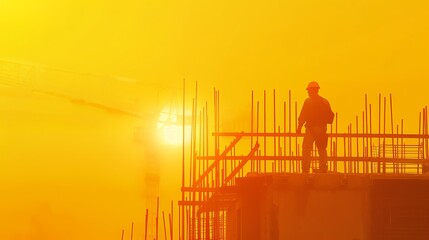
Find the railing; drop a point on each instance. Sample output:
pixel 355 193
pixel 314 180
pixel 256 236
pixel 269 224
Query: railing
pixel 207 194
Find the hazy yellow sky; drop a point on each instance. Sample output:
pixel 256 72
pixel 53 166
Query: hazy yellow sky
pixel 74 172
pixel 351 47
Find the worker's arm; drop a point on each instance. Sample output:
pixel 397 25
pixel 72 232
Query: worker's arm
pixel 302 116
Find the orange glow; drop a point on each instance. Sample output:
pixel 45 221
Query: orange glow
pixel 70 166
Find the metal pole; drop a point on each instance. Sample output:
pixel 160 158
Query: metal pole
pixel 379 132
pixel 290 130
pixel 370 138
pixel 356 163
pixel 284 130
pixel 165 229
pixel 157 217
pixel 258 166
pixel 296 138
pixel 265 130
pixel 426 133
pixel 132 230
pixel 364 165
pixel 392 129
pixel 182 216
pixel 336 139
pixel 384 132
pixel 274 127
pixel 171 222
pixel 146 224
pixel 251 131
pixel 366 130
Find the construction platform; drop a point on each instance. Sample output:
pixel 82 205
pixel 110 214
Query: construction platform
pixel 249 185
pixel 329 206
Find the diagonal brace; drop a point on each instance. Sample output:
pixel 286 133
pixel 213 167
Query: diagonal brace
pixel 216 162
pixel 242 163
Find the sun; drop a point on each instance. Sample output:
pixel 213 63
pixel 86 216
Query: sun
pixel 171 129
pixel 173 134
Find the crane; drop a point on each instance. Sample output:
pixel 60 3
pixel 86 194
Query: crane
pixel 160 123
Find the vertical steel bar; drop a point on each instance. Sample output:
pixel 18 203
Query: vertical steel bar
pixel 195 134
pixel 363 143
pixel 279 151
pixel 146 222
pixel 217 177
pixel 345 154
pixel 191 145
pixel 284 138
pixel 370 138
pixel 392 130
pixel 203 151
pixel 258 166
pixel 205 195
pixel 274 126
pixel 201 142
pixel 421 132
pixel 398 148
pixel 207 227
pixel 265 131
pixel 132 230
pixel 232 163
pixel 216 171
pixel 171 222
pixel 419 143
pixel 422 144
pixel 350 149
pixel 403 146
pixel 182 227
pixel 366 132
pixel 356 163
pixel 384 138
pixel 201 147
pixel 347 150
pixel 426 135
pixel 251 131
pixel 336 138
pixel 379 132
pixel 290 129
pixel 296 137
pixel 331 163
pixel 165 228
pixel 188 227
pixel 192 172
pixel 157 217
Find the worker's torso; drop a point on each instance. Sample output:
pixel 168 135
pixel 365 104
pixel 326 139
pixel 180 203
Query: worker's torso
pixel 316 112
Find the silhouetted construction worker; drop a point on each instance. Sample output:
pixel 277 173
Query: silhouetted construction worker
pixel 316 113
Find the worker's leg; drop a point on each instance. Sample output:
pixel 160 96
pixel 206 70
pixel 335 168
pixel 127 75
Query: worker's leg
pixel 323 163
pixel 307 146
pixel 321 139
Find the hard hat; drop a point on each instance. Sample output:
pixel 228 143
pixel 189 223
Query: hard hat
pixel 313 85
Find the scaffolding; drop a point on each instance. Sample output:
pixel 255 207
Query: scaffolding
pixel 216 160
